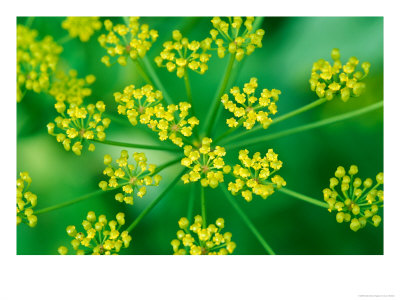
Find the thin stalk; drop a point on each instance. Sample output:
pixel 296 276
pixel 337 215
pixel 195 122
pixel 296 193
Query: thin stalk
pixel 188 90
pixel 68 203
pixel 279 119
pixel 257 23
pixel 299 110
pixel 229 131
pixel 130 145
pixel 303 197
pixel 155 202
pixel 153 75
pixel 302 128
pixel 64 39
pixel 98 192
pixel 214 110
pixel 191 201
pixel 236 69
pixel 117 119
pixel 137 61
pixel 142 72
pixel 203 206
pixel 190 98
pixel 246 220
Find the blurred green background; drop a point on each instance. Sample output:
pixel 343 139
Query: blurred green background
pixel 290 226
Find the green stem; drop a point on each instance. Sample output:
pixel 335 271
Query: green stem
pixel 246 220
pixel 299 110
pixel 191 201
pixel 217 100
pixel 137 61
pixel 130 145
pixel 81 198
pixel 298 129
pixel 228 132
pixel 155 202
pixel 95 193
pixel 117 119
pixel 64 39
pixel 303 197
pixel 237 68
pixel 142 72
pixel 188 90
pixel 158 84
pixel 279 119
pixel 190 98
pixel 203 206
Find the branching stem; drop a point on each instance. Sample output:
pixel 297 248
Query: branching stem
pixel 214 110
pixel 154 77
pixel 155 202
pixel 131 145
pixel 191 202
pixel 68 203
pixel 246 220
pixel 303 197
pixel 203 207
pixel 302 128
pixel 277 120
pixel 98 192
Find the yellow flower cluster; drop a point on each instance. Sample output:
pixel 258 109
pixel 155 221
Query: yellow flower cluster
pixel 357 201
pixel 136 102
pixel 69 88
pixel 133 178
pixel 205 164
pixel 253 173
pixel 79 124
pixel 101 238
pixel 201 240
pixel 133 40
pixel 247 109
pixel 26 200
pixel 329 80
pixel 170 123
pixel 180 54
pixel 36 61
pixel 84 27
pixel 239 42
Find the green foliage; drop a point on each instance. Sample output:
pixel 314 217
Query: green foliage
pixel 290 46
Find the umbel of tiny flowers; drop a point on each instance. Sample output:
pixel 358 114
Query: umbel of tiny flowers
pixel 235 36
pixel 135 102
pixel 79 124
pixel 132 177
pixel 171 122
pixel 82 27
pixel 69 88
pixel 26 201
pixel 101 237
pixel 181 55
pixel 253 174
pixel 36 61
pixel 247 108
pixel 329 80
pixel 354 200
pixel 206 164
pixel 124 41
pixel 200 240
